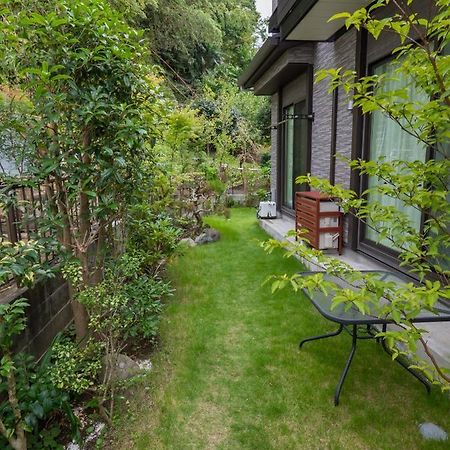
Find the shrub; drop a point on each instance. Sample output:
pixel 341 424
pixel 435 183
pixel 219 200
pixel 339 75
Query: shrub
pixel 155 236
pixel 75 368
pixel 31 405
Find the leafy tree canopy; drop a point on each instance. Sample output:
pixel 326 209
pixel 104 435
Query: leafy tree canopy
pixel 191 37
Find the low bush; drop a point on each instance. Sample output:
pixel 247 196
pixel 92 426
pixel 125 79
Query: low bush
pixel 75 368
pixel 31 406
pixel 155 236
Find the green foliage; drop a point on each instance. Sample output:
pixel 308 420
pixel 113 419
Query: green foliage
pixel 75 368
pixel 421 184
pixel 22 261
pixel 154 236
pixel 94 99
pixel 12 323
pixel 188 39
pixel 30 404
pixel 144 294
pixel 41 403
pixel 127 303
pixel 94 105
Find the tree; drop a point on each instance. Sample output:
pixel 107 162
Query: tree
pixel 188 38
pixel 421 185
pixel 93 104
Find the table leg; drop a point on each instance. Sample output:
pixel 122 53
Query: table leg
pixel 422 379
pixel 322 336
pixel 347 366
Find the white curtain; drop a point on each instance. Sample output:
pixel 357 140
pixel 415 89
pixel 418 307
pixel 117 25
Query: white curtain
pixel 388 141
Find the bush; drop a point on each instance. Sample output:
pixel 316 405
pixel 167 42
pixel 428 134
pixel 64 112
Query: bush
pixel 155 236
pixel 75 368
pixel 144 306
pixel 42 404
pixel 128 301
pixel 126 304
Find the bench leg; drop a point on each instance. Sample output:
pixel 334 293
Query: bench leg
pixel 347 366
pixel 322 336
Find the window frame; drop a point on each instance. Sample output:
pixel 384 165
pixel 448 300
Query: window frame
pixel 374 249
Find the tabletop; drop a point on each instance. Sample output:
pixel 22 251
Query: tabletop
pixel 352 315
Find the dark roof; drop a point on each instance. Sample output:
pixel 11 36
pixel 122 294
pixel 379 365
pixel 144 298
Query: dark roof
pixel 288 14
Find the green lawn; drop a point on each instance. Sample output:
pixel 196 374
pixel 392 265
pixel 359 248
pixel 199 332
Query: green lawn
pixel 229 374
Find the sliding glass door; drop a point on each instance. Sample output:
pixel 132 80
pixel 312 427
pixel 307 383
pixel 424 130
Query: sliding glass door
pixel 288 178
pixel 295 150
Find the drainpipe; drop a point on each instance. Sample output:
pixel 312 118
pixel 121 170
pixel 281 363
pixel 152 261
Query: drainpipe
pixel 334 117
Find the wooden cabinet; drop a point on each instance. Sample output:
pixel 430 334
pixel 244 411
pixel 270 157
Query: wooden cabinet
pixel 322 219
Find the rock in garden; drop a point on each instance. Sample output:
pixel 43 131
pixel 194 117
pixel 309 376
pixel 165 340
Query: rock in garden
pixel 125 368
pixel 145 364
pixel 188 242
pixel 432 432
pixel 209 235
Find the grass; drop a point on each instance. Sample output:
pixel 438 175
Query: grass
pixel 229 374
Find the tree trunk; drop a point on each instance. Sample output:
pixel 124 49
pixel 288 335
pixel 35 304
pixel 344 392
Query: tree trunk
pixel 97 276
pixel 82 248
pixel 20 442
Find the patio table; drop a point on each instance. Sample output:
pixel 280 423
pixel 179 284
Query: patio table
pixel 365 326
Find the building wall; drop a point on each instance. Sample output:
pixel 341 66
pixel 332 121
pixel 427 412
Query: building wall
pixel 274 146
pixel 332 55
pixel 345 53
pixel 322 107
pixel 326 55
pixel 295 91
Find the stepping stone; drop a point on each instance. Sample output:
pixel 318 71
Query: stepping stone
pixel 432 432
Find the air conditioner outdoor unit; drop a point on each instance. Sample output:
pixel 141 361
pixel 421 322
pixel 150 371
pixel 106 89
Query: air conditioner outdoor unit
pixel 267 210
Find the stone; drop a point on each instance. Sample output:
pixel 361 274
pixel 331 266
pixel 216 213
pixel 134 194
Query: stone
pixel 432 432
pixel 209 235
pixel 188 242
pixel 125 368
pixel 145 364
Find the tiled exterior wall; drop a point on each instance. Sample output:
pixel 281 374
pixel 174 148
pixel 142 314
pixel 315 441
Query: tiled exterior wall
pixel 345 58
pixel 332 55
pixel 322 106
pixel 274 148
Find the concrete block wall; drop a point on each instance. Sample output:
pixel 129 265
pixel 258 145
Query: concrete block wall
pixel 49 313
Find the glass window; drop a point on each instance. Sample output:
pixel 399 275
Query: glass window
pixel 288 157
pixel 295 157
pixel 388 141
